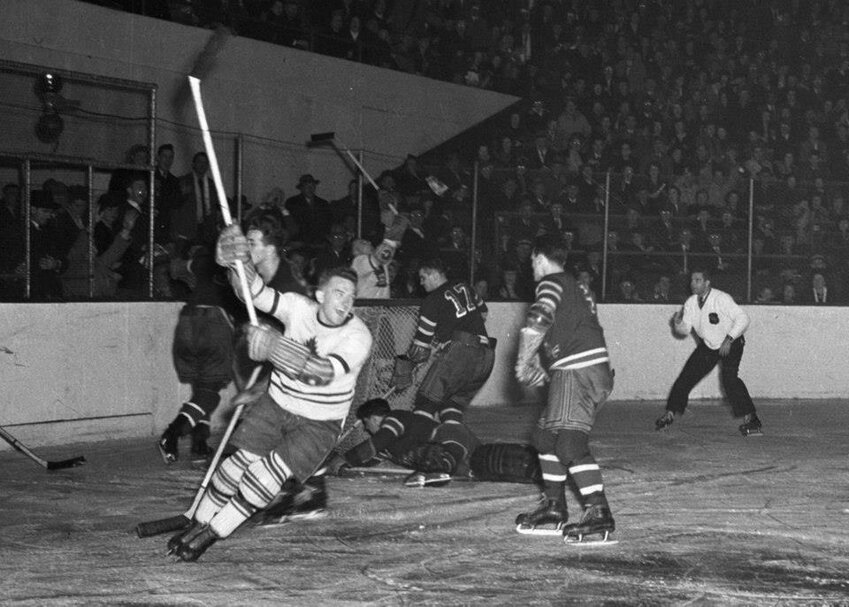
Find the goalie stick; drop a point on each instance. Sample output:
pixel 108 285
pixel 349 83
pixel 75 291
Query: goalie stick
pixel 175 523
pixel 54 465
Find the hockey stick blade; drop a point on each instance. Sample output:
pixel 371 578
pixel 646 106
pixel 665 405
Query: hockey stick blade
pixel 163 525
pixel 22 448
pixel 316 138
pixel 66 463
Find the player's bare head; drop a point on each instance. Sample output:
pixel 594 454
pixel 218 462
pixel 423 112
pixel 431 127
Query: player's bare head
pixel 372 412
pixel 337 290
pixel 374 406
pixel 548 255
pixel 343 272
pixel 432 273
pixel 272 231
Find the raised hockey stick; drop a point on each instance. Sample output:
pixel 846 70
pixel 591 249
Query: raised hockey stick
pixel 175 523
pixel 55 465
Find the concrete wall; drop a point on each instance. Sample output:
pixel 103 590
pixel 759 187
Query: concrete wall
pixel 275 96
pixel 92 371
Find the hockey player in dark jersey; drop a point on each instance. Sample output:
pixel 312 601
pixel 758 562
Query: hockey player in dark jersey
pixel 202 349
pixel 451 324
pixel 563 343
pixel 434 450
pixel 203 341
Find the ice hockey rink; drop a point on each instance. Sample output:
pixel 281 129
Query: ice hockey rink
pixel 704 517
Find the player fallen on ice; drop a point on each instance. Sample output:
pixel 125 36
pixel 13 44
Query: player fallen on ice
pixel 436 452
pixel 719 324
pixel 562 344
pixel 292 428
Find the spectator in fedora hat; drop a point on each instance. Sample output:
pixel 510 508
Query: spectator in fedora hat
pixel 311 214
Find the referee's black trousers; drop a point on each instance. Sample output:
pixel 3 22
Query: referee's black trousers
pixel 700 363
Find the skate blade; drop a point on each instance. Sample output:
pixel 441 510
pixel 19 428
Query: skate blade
pixel 752 433
pixel 590 539
pixel 293 518
pixel 538 530
pixel 586 542
pixel 166 457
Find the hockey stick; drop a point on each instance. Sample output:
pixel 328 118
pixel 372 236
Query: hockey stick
pixel 175 523
pixel 359 422
pixel 194 84
pixel 57 465
pixel 181 521
pixel 330 137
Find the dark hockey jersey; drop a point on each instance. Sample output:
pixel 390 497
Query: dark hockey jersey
pixel 576 338
pixel 399 433
pixel 453 306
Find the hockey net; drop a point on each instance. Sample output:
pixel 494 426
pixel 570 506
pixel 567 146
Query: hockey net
pixel 392 327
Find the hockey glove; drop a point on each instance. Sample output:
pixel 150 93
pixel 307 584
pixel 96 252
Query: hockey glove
pixel 336 463
pixel 232 246
pixel 261 339
pixel 402 376
pixel 433 457
pixel 531 373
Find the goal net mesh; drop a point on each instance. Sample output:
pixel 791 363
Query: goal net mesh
pixel 392 327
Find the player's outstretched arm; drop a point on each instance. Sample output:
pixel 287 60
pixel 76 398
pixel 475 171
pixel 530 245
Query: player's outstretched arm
pixel 232 248
pixel 288 356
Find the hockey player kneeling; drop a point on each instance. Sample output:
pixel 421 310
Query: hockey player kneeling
pixel 291 429
pixel 435 452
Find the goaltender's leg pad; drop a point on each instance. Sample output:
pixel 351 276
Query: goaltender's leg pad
pixel 506 463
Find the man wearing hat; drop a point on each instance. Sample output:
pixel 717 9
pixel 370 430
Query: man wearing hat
pixel 310 213
pixel 45 258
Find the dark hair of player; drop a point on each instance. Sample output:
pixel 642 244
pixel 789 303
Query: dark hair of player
pixel 553 247
pixel 273 233
pixel 374 406
pixel 340 271
pixel 703 271
pixel 434 264
pixel 163 147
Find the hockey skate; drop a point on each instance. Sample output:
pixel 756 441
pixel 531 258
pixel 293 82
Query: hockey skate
pixel 184 537
pixel 168 445
pixel 199 544
pixel 596 520
pixel 307 502
pixel 664 421
pixel 751 425
pixel 427 479
pixel 548 519
pixel 201 451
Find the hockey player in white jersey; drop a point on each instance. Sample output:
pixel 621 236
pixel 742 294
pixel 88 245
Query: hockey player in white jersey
pixel 289 432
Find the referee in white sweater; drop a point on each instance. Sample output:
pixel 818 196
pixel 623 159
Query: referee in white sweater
pixel 719 324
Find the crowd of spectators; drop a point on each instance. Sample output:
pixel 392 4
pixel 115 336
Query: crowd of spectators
pixel 646 132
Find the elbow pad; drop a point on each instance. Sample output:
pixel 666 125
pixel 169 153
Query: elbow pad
pixel 316 372
pixel 297 361
pixel 539 317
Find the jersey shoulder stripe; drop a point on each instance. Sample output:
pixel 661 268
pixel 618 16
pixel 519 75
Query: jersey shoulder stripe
pixel 342 362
